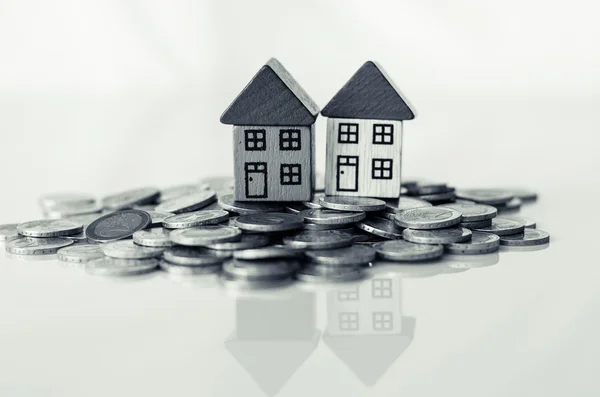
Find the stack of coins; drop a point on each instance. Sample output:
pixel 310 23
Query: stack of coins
pixel 196 229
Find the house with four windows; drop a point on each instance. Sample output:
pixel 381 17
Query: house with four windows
pixel 273 132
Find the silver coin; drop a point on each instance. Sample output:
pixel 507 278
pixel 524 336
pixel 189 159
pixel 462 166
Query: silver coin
pixel 435 198
pixel 49 228
pixel 528 238
pixel 184 270
pixel 325 239
pixel 67 210
pixel 174 192
pixel 204 235
pixel 354 255
pixel 331 217
pixel 485 196
pixel 80 253
pixel 390 216
pixel 356 204
pixel 380 227
pixel 428 218
pixel 294 208
pixel 503 227
pixel 242 207
pixel 357 235
pixel 189 202
pixel 314 202
pixel 400 251
pixel 315 227
pixel 260 270
pixel 426 188
pixel 117 225
pixel 187 256
pixel 438 236
pixel 9 232
pixel 155 237
pixel 324 274
pixel 121 267
pixel 234 283
pixel 527 222
pixel 405 203
pixel 127 249
pixel 36 246
pixel 513 205
pixel 157 218
pixel 524 194
pixel 267 253
pixel 269 222
pixel 56 199
pixel 78 237
pixel 247 241
pixel 476 225
pixel 130 198
pixel 480 243
pixel 473 212
pixel 197 218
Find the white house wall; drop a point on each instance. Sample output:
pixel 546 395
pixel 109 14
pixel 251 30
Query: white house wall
pixel 274 157
pixel 366 151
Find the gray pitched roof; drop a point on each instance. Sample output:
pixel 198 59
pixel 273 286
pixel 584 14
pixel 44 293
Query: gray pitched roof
pixel 272 97
pixel 369 94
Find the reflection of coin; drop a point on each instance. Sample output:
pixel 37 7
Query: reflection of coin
pixel 528 238
pixel 37 246
pixel 127 249
pixel 428 218
pixel 49 228
pixel 80 253
pixel 260 269
pixel 117 225
pixel 437 236
pixel 400 250
pixel 129 198
pixel 480 243
pixel 120 267
pixel 354 255
pixel 328 274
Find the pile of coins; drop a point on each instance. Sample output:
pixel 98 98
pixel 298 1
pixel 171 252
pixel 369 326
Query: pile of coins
pixel 199 229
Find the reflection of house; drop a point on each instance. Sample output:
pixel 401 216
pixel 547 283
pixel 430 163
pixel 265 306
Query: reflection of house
pixel 274 336
pixel 365 326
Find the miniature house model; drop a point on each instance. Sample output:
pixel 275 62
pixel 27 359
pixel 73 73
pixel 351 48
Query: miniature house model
pixel 364 136
pixel 273 121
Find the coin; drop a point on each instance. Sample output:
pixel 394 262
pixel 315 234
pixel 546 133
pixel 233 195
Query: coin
pixel 425 188
pixel 347 256
pixel 198 218
pixel 174 192
pixel 324 274
pixel 55 199
pixel 155 237
pixel 357 235
pixel 405 203
pixel 117 225
pixel 438 236
pixel 72 209
pixel 503 227
pixel 476 225
pixel 242 207
pixel 525 195
pixel 357 204
pixel 438 197
pixel 315 227
pixel 331 217
pixel 428 218
pixel 121 267
pixel 84 219
pixel 80 253
pixel 9 232
pixel 271 252
pixel 324 239
pixel 527 222
pixel 247 241
pixel 314 201
pixel 127 249
pixel 37 246
pixel 530 237
pixel 513 205
pixel 188 256
pixel 184 270
pixel 235 283
pixel 294 207
pixel 129 198
pixel 480 243
pixel 49 228
pixel 260 270
pixel 157 218
pixel 189 202
pixel 400 251
pixel 203 235
pixel 473 212
pixel 380 227
pixel 390 216
pixel 485 196
pixel 269 222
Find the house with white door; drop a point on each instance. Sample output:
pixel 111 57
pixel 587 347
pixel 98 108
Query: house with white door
pixel 273 119
pixel 364 135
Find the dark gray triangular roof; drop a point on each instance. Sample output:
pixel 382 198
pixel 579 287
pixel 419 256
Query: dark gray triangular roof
pixel 369 94
pixel 272 97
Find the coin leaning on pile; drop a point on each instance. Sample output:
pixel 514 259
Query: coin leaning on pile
pixel 198 228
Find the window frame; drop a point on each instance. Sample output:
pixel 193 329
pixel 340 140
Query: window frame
pixel 254 140
pixel 348 134
pixel 383 134
pixel 290 139
pixel 382 169
pixel 291 174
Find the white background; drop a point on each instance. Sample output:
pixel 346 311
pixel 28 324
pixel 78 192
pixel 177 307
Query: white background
pixel 100 96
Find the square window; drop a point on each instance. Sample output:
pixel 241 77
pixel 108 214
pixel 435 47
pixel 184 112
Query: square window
pixel 383 134
pixel 348 133
pixel 348 321
pixel 255 140
pixel 290 174
pixel 289 140
pixel 382 169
